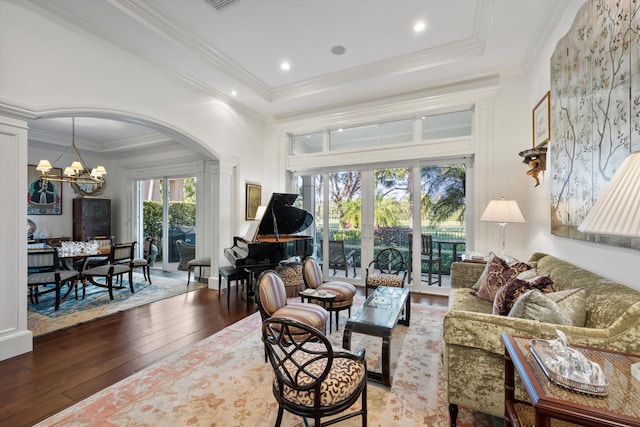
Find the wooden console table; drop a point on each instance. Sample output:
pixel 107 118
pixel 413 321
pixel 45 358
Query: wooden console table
pixel 621 407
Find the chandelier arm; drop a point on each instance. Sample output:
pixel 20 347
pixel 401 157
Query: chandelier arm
pixel 88 172
pixel 60 156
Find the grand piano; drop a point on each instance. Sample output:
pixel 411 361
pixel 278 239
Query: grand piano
pixel 274 240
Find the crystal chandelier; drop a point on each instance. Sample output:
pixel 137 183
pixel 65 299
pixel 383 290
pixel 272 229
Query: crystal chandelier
pixel 77 173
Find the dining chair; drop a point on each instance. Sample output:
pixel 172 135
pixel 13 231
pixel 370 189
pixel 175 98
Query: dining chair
pixel 339 259
pixel 427 257
pixel 44 269
pixel 199 263
pixel 145 261
pixel 387 269
pixel 344 292
pixel 94 261
pixel 312 379
pixel 119 262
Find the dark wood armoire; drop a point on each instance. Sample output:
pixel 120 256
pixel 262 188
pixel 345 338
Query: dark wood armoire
pixel 91 218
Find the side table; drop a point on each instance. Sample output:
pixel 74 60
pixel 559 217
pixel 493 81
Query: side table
pixel 621 407
pixel 326 298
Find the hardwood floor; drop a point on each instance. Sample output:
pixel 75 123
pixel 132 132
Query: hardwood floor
pixel 69 365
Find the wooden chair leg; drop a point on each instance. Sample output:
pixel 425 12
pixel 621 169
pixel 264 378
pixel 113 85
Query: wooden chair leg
pixel 110 287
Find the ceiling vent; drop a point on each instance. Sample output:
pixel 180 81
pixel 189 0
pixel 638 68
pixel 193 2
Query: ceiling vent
pixel 219 4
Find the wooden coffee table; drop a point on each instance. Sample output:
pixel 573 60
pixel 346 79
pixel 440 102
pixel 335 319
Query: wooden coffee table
pixel 621 407
pixel 378 316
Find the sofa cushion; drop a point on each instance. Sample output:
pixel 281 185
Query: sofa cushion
pixel 508 294
pixel 606 300
pixel 563 308
pixel 496 274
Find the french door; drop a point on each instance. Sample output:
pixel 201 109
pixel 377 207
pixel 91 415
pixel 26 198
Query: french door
pixel 167 206
pixel 369 209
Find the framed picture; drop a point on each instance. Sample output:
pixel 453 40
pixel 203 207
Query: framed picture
pixel 254 199
pixel 542 121
pixel 43 199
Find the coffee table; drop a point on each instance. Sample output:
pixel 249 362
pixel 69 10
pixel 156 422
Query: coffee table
pixel 621 407
pixel 378 316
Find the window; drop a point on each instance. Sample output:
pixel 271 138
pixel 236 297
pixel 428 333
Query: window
pixel 378 134
pixel 307 144
pixel 447 125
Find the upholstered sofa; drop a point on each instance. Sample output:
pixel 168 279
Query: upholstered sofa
pixel 473 353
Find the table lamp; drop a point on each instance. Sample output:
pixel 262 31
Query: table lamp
pixel 503 212
pixel 617 210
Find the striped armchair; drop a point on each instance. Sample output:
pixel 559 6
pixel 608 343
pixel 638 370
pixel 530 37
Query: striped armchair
pixel 272 302
pixel 344 292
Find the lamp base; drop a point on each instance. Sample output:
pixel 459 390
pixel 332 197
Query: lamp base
pixel 507 258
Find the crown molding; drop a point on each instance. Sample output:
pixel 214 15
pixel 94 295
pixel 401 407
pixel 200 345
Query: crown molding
pixel 66 18
pixel 408 103
pixel 416 61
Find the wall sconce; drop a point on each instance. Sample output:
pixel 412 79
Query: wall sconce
pixel 536 158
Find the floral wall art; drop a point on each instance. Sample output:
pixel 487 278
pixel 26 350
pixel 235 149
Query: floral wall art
pixel 595 111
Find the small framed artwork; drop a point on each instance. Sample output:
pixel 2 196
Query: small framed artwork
pixel 43 199
pixel 542 121
pixel 254 199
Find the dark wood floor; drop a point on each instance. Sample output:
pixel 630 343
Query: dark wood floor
pixel 72 364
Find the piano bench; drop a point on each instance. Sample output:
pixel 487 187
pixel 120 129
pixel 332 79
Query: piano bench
pixel 231 274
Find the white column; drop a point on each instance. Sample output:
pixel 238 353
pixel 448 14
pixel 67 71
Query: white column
pixel 14 337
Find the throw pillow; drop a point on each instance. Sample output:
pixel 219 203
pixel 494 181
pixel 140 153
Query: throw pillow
pixel 509 294
pixel 528 274
pixel 496 274
pixel 566 307
pixel 291 275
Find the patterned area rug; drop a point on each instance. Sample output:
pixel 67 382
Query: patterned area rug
pixel 42 318
pixel 224 381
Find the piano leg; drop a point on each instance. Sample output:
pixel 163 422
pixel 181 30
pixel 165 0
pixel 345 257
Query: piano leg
pixel 254 273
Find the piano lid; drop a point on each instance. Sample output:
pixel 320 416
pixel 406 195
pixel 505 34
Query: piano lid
pixel 288 218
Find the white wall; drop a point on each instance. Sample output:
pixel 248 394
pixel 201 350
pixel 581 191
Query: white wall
pixel 50 70
pixel 612 262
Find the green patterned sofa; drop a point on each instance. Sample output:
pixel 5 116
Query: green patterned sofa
pixel 473 352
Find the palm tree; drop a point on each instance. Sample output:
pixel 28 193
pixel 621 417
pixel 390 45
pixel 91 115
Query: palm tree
pixel 387 210
pixel 444 192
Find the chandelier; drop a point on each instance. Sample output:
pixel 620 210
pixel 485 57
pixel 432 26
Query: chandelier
pixel 77 173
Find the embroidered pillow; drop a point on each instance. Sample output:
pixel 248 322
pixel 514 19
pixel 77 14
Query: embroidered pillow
pixel 496 274
pixel 507 295
pixel 566 307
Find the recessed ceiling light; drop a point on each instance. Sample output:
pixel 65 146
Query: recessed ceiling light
pixel 285 65
pixel 419 26
pixel 338 50
pixel 234 93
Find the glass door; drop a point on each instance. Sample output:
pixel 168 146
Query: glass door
pixel 169 217
pixel 443 208
pixel 343 245
pixel 362 212
pixel 392 210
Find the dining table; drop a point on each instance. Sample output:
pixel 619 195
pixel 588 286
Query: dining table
pixel 70 258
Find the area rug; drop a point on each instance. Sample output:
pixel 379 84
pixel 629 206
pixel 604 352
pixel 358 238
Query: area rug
pixel 42 318
pixel 224 381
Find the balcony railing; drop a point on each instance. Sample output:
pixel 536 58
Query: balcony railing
pixel 398 237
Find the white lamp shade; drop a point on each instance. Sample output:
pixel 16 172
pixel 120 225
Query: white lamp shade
pixel 617 210
pixel 44 166
pixel 503 211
